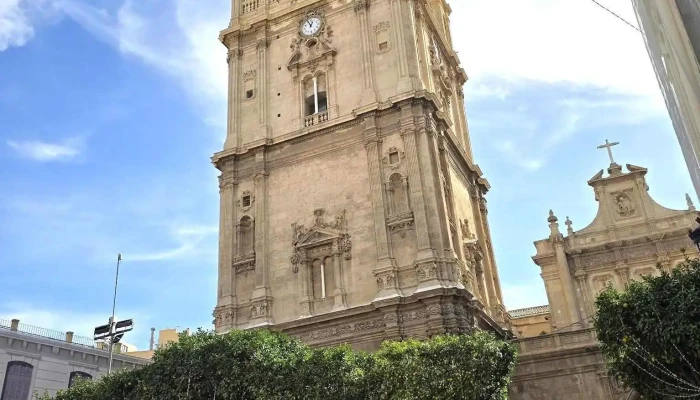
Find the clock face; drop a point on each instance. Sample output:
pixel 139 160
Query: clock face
pixel 311 26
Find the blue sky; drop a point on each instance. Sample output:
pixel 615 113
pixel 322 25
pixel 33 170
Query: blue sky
pixel 110 110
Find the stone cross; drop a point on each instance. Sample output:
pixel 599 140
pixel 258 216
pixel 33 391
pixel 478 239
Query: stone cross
pixel 608 146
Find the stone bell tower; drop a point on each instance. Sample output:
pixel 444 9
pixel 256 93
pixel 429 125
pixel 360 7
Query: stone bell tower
pixel 351 207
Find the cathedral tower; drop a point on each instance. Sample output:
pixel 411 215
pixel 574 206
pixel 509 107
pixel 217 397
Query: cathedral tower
pixel 351 206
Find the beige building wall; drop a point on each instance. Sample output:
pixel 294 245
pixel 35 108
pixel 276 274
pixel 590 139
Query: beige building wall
pixel 630 235
pixel 351 206
pixel 671 30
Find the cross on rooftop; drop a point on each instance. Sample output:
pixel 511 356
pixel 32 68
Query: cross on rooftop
pixel 608 146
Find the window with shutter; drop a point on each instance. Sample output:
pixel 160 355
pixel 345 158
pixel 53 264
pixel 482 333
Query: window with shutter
pixel 18 381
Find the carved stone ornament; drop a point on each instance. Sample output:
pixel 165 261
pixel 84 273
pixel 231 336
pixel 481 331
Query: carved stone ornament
pixel 426 271
pixel 361 5
pixel 329 238
pixel 342 330
pixel 250 75
pixel 466 232
pixel 601 282
pixel 400 223
pixel 387 280
pixel 245 264
pixel 245 202
pixel 393 158
pixel 382 26
pixel 311 52
pixel 623 202
pixel 260 309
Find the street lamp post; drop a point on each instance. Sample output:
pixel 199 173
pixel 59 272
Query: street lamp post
pixel 113 330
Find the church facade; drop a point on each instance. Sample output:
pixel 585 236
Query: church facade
pixel 352 210
pixel 631 236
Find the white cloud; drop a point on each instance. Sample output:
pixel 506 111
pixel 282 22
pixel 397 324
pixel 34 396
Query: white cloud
pixel 15 26
pixel 44 152
pixel 189 51
pixel 190 240
pixel 554 41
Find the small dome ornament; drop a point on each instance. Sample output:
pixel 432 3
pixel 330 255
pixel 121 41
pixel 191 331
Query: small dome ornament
pixel 552 218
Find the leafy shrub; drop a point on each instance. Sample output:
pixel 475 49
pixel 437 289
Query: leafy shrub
pixel 265 365
pixel 650 333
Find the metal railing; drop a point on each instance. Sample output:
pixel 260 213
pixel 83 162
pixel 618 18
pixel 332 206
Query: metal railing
pixel 66 337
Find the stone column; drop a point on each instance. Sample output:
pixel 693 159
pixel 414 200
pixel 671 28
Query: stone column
pixel 587 309
pixel 623 271
pixel 227 276
pixel 233 60
pixel 416 193
pixel 481 283
pixel 385 264
pixel 369 96
pixel 304 273
pixel 483 208
pixel 261 46
pixel 402 23
pixel 338 292
pixel 261 298
pixel 479 208
pixel 566 281
pixel 432 190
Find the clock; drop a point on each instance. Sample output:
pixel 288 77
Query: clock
pixel 311 26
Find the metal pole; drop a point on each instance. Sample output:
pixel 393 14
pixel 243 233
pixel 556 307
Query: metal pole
pixel 111 319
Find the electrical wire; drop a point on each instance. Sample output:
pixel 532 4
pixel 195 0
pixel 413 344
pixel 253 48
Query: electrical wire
pixel 618 17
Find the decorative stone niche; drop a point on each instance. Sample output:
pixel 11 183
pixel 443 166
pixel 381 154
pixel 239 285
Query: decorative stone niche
pixel 320 255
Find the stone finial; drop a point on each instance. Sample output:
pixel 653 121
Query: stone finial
pixel 553 225
pixel 569 229
pixel 689 202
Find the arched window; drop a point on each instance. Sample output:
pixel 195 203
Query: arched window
pixel 246 236
pixel 315 95
pixel 77 375
pixel 18 381
pixel 398 189
pixel 322 278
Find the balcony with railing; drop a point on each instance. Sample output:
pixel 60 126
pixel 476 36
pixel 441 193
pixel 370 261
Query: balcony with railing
pixel 315 119
pixel 66 337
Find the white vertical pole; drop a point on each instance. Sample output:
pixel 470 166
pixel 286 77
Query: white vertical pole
pixel 323 281
pixel 315 96
pixel 111 319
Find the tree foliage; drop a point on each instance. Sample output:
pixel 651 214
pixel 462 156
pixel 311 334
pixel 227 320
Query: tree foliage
pixel 267 365
pixel 650 333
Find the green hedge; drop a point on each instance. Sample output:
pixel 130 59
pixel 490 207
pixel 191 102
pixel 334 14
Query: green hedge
pixel 264 365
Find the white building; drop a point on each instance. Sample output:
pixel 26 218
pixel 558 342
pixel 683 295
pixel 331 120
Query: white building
pixel 671 30
pixel 34 360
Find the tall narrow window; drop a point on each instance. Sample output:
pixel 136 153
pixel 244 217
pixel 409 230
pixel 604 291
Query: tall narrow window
pixel 246 236
pixel 76 376
pixel 18 381
pixel 322 278
pixel 315 95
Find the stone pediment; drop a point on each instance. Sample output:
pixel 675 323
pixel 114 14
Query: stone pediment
pixel 626 210
pixel 316 237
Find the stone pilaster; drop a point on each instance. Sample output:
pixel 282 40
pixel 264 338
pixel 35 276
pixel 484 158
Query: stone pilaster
pixel 425 251
pixel 385 271
pixel 369 94
pixel 261 294
pixel 233 59
pixel 226 240
pixel 401 17
pixel 587 310
pixel 262 46
pixel 623 271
